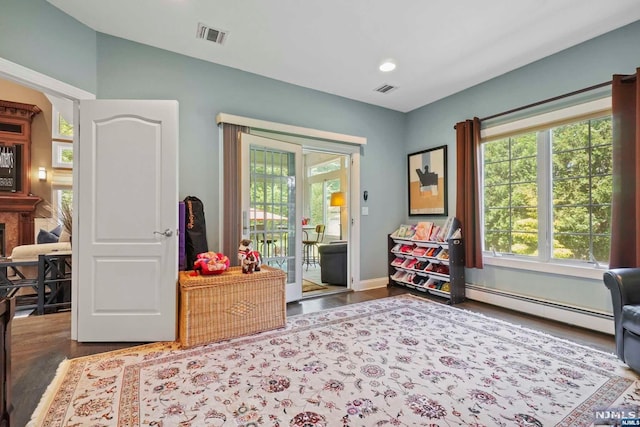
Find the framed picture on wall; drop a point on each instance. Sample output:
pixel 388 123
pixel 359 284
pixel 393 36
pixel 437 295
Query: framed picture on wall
pixel 62 154
pixel 427 182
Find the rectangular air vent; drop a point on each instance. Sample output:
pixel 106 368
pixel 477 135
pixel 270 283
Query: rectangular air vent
pixel 211 34
pixel 385 88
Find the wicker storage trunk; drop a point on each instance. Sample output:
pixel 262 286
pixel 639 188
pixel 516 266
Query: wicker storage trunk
pixel 233 304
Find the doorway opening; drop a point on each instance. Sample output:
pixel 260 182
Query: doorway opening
pixel 44 227
pixel 325 223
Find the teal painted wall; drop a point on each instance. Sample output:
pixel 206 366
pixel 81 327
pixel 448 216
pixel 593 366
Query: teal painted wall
pixel 131 70
pixel 587 64
pixel 54 44
pixel 39 36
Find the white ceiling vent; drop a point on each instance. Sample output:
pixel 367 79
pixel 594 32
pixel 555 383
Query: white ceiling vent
pixel 385 88
pixel 211 34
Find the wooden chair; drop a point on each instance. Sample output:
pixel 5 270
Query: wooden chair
pixel 310 246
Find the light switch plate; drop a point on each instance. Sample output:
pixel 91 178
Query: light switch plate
pixel 365 210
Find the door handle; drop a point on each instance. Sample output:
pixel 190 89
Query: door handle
pixel 165 233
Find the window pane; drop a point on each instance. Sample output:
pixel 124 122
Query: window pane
pixel 525 194
pixel 496 151
pixel 497 219
pixel 601 160
pixel 572 246
pixel 525 145
pixel 601 133
pixel 331 166
pixel 601 219
pixel 525 244
pixel 581 189
pixel 525 219
pixel 570 137
pixel 524 170
pixel 601 248
pixel 316 205
pixel 497 196
pixel 498 241
pixel 510 195
pixel 571 192
pixel 571 219
pixel 569 164
pixel 601 190
pixel 578 199
pixel 497 173
pixel 64 127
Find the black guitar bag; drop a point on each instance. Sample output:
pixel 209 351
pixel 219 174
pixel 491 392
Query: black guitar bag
pixel 195 230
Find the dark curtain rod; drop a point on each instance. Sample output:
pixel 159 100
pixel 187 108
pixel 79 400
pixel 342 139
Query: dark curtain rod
pixel 545 101
pixel 555 98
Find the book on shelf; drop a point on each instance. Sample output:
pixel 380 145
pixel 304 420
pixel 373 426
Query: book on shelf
pixel 405 231
pixel 422 230
pixel 435 233
pixel 445 230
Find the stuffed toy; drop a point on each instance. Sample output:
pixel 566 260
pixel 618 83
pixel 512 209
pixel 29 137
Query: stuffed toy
pixel 210 263
pixel 249 259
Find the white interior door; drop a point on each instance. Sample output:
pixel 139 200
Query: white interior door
pixel 127 220
pixel 272 205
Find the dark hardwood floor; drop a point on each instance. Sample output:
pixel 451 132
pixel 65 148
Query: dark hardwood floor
pixel 40 343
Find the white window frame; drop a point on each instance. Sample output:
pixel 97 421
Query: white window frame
pixel 322 179
pixel 568 267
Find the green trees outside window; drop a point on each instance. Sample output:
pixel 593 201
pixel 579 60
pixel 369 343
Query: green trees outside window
pixel 554 186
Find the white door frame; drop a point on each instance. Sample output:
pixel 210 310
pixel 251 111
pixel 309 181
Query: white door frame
pixel 323 141
pixel 35 80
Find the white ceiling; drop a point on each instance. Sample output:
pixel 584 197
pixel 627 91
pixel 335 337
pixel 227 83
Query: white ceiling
pixel 440 46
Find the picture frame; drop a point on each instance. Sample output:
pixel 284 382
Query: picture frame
pixel 62 154
pixel 427 182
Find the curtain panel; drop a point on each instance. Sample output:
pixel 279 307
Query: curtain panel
pixel 625 200
pixel 232 208
pixel 467 189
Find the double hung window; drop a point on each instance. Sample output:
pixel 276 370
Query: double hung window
pixel 546 186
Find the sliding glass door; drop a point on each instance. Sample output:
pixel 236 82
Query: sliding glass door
pixel 272 205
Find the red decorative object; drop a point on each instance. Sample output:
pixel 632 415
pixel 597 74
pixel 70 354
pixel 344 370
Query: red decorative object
pixel 208 263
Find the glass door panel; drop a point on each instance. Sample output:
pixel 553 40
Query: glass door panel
pixel 272 205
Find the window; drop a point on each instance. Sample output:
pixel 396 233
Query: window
pixel 547 192
pixel 322 179
pixel 62 128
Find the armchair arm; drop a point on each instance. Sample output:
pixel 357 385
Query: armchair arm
pixel 626 283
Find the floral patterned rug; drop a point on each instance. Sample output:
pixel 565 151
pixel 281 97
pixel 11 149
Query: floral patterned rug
pixel 401 361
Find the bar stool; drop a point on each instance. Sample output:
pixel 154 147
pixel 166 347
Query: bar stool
pixel 310 246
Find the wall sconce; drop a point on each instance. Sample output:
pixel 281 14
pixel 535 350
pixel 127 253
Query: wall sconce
pixel 42 173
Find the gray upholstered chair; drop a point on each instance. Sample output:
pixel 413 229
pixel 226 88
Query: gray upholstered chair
pixel 333 263
pixel 624 284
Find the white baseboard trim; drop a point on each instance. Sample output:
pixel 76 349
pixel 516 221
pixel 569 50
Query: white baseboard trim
pixel 365 285
pixel 577 316
pixel 593 320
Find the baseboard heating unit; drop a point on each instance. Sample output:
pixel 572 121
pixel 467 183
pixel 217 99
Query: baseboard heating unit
pixel 578 316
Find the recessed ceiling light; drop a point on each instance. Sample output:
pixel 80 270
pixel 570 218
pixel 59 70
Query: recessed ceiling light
pixel 387 66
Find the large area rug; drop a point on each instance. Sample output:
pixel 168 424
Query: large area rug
pixel 400 361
